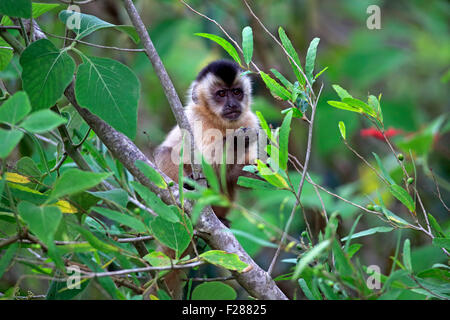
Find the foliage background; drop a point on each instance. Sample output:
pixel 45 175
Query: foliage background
pixel 407 61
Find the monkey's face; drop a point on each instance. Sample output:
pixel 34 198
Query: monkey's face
pixel 229 102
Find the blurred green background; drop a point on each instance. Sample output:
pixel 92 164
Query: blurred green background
pixel 407 61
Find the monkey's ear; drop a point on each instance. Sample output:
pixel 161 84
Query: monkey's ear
pixel 194 95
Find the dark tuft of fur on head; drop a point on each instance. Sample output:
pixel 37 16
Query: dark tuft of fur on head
pixel 224 69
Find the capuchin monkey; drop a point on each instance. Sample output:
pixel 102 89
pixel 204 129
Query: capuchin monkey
pixel 220 117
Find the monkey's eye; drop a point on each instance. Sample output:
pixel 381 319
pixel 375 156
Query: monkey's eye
pixel 221 93
pixel 237 91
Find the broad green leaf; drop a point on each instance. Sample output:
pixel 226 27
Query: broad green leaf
pixel 157 259
pixel 342 93
pixel 407 255
pixel 310 256
pixel 224 259
pixel 90 23
pixel 110 90
pixel 287 44
pixel 403 196
pixel 173 235
pixel 47 72
pixel 210 175
pixel 273 178
pixel 74 181
pixel 344 106
pixel 275 88
pixel 435 225
pixel 39 9
pixel 15 108
pixel 122 218
pixel 284 140
pixel 342 129
pixel 305 289
pixel 28 167
pixel 16 8
pixel 151 174
pixel 214 290
pixel 42 121
pixel 364 107
pixel 442 243
pixel 252 183
pixel 384 172
pixel 228 47
pixel 247 44
pixel 311 58
pixel 155 203
pixel 282 79
pixel 7 257
pixel 94 241
pixel 374 103
pixel 368 232
pixel 9 140
pixel 43 221
pixel 342 260
pixel 6 54
pixel 118 196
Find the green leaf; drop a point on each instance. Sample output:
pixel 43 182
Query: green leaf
pixel 224 259
pixel 15 108
pixel 28 167
pixel 442 243
pixel 47 72
pixel 275 88
pixel 157 259
pixel 349 237
pixel 435 225
pixel 74 181
pixel 342 260
pixel 343 106
pixel 284 140
pixel 264 125
pixel 210 175
pixel 247 44
pixel 403 196
pixel 42 121
pixel 90 23
pixel 287 44
pixel 6 54
pixel 407 255
pixel 228 47
pixel 16 8
pixel 43 221
pixel 252 183
pixel 310 256
pixel 342 129
pixel 374 103
pixel 41 8
pixel 110 90
pixel 9 139
pixel 364 107
pixel 7 257
pixel 368 232
pixel 342 93
pixel 151 174
pixel 282 79
pixel 271 177
pixel 214 290
pixel 118 196
pixel 311 58
pixel 155 203
pixel 173 235
pixel 94 241
pixel 122 218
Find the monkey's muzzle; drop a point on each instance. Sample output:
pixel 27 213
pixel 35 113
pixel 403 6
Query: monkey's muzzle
pixel 232 113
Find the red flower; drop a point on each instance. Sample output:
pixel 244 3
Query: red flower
pixel 372 132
